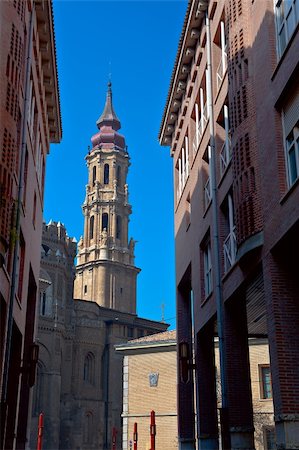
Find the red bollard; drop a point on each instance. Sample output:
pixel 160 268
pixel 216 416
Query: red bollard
pixel 135 436
pixel 153 431
pixel 40 431
pixel 114 433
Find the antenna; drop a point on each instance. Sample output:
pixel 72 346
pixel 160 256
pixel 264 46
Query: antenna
pixel 110 72
pixel 163 312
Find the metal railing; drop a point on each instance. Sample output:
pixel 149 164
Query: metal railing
pixel 204 116
pixel 207 193
pixel 230 249
pixel 221 69
pixel 225 156
pixel 196 140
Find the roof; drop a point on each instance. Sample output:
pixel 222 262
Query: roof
pixel 158 342
pixel 157 337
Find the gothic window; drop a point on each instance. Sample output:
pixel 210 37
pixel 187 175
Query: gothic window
pixel 88 369
pixel 91 226
pixel 104 221
pixel 106 174
pixel 94 174
pixel 87 428
pixel 118 227
pixel 118 175
pixel 43 300
pixel 38 389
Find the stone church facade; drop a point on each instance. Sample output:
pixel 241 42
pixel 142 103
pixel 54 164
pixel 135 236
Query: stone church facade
pixel 88 309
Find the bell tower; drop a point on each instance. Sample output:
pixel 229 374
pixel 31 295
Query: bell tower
pixel 105 271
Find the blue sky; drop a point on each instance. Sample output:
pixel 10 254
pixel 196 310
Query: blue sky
pixel 137 42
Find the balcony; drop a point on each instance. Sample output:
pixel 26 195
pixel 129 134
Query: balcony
pixel 204 117
pixel 230 249
pixel 221 69
pixel 207 193
pixel 225 156
pixel 196 140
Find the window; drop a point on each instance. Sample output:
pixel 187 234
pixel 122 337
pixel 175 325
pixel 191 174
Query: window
pixel 88 369
pixel 43 302
pixel 207 262
pixel 265 382
pixel 25 177
pixel 230 241
pixel 39 388
pixel 85 289
pixel 91 227
pixel 287 17
pixel 183 168
pixel 21 266
pixel 269 438
pixel 118 175
pixel 94 174
pixel 290 119
pixel 118 227
pixel 106 174
pixel 292 150
pixel 130 333
pixel 88 427
pixel 104 221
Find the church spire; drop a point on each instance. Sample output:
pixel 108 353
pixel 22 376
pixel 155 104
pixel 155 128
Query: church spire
pixel 108 117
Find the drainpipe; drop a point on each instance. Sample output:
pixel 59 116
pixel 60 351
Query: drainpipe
pixel 14 276
pixel 216 246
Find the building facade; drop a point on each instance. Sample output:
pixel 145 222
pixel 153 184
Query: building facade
pixel 231 121
pixel 29 122
pixel 149 383
pixel 85 310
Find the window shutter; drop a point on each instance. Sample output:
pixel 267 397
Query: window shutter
pixel 291 112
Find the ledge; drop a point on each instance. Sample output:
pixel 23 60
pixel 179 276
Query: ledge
pixel 252 243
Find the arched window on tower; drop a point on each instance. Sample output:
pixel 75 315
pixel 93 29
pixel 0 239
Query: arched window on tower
pixel 106 173
pixel 118 175
pixel 118 227
pixel 88 369
pixel 105 222
pixel 91 226
pixel 94 174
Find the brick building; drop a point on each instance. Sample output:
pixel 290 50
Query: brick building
pixel 149 383
pixel 231 121
pixel 85 310
pixel 29 122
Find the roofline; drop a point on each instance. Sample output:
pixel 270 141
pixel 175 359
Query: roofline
pixel 44 11
pixel 193 5
pixel 134 347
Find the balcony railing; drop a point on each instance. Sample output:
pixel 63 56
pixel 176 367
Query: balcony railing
pixel 207 193
pixel 230 249
pixel 221 69
pixel 204 117
pixel 196 140
pixel 225 156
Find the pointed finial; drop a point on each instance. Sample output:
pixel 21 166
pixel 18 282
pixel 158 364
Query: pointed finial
pixel 108 116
